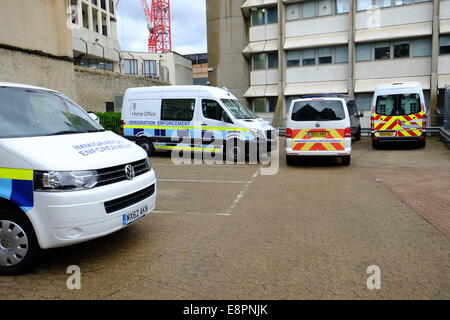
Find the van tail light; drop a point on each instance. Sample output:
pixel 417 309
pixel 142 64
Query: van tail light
pixel 372 123
pixel 288 133
pixel 424 123
pixel 122 123
pixel 348 133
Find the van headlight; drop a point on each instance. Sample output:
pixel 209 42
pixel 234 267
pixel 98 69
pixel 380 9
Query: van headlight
pixel 58 181
pixel 149 163
pixel 257 133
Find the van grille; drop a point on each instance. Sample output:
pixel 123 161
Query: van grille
pixel 270 134
pixel 128 201
pixel 116 174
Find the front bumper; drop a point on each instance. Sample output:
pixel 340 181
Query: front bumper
pixel 66 218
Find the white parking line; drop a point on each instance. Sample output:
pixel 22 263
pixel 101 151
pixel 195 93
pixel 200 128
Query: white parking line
pixel 241 194
pixel 206 181
pixel 191 213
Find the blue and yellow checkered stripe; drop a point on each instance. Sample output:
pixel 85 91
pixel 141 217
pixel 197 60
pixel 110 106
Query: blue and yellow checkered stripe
pixel 16 185
pixel 186 132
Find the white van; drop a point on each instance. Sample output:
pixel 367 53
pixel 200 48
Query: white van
pixel 195 118
pixel 399 114
pixel 318 126
pixel 63 178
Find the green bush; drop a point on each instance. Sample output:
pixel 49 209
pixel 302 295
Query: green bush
pixel 110 121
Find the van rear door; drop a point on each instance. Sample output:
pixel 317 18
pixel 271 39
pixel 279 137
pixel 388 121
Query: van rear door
pixel 319 125
pixel 399 115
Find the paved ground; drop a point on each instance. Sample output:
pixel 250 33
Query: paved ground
pixel 309 232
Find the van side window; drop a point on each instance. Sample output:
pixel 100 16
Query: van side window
pixel 351 106
pixel 212 110
pixel 178 109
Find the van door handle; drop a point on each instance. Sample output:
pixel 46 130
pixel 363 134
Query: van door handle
pixel 204 124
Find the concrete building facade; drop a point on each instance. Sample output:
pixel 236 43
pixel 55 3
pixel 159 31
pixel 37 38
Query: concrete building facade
pixel 291 48
pixel 94 34
pixel 168 67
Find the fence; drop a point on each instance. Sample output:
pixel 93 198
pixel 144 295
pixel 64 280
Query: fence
pixel 110 122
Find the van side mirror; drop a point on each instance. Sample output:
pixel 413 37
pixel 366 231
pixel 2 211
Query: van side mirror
pixel 94 116
pixel 226 118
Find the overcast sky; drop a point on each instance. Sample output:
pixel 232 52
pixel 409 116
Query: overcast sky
pixel 188 26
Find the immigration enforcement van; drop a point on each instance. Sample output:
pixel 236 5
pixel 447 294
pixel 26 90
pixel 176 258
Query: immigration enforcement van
pixel 63 178
pixel 399 114
pixel 318 126
pixel 194 118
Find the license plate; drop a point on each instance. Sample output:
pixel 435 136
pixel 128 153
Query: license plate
pixel 386 134
pixel 135 215
pixel 318 133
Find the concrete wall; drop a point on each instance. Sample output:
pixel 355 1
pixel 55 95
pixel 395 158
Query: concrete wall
pixel 39 28
pixel 36 25
pixel 227 37
pixel 22 67
pixel 95 87
pixel 305 27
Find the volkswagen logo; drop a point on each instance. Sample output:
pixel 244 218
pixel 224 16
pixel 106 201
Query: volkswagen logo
pixel 317 125
pixel 129 172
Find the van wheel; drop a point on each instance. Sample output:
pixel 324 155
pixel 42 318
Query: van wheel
pixel 147 146
pixel 19 249
pixel 290 160
pixel 345 160
pixel 358 135
pixel 235 150
pixel 375 144
pixel 421 143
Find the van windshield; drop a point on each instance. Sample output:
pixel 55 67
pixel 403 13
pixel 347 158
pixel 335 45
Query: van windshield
pixel 32 113
pixel 398 104
pixel 238 110
pixel 318 110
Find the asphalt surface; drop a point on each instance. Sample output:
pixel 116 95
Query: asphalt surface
pixel 308 232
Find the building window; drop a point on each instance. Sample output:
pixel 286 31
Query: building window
pixel 394 50
pixel 444 45
pixel 264 104
pixel 308 9
pixel 272 60
pixel 264 16
pixel 363 52
pixel 341 6
pixel 422 47
pixel 130 66
pixel 177 109
pixel 325 8
pixel 364 101
pixel 401 50
pixel 341 54
pixel 325 56
pixel 369 4
pixel 382 51
pixel 259 61
pixel 262 61
pixel 150 68
pixel 310 57
pixel 96 64
pixel 312 9
pixel 272 15
pixel 293 58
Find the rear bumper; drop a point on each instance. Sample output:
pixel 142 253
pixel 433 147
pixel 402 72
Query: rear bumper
pixel 398 139
pixel 335 153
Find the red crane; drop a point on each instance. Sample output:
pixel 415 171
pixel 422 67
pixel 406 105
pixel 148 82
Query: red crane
pixel 159 26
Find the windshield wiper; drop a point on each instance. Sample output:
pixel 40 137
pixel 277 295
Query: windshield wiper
pixel 60 133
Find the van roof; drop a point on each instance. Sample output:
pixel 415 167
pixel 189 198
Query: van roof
pixel 214 91
pixel 24 86
pixel 395 85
